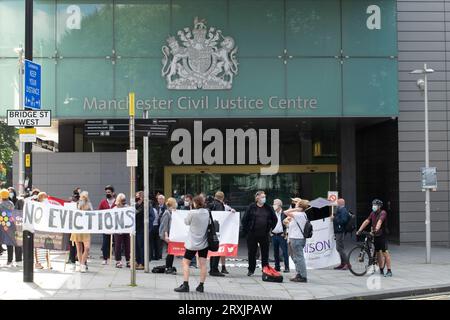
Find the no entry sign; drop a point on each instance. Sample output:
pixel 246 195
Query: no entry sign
pixel 332 197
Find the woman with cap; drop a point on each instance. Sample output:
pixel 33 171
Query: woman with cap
pixel 297 240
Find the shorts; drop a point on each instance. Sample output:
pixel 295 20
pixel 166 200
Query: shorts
pixel 190 254
pixel 380 244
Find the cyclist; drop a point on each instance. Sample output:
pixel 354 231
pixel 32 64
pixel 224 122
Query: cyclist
pixel 377 219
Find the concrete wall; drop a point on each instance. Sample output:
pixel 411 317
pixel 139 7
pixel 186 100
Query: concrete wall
pixel 423 37
pixel 59 173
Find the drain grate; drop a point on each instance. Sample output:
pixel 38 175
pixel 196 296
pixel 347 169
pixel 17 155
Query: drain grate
pixel 221 296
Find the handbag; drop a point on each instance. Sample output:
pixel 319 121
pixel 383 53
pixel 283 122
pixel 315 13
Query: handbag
pixel 213 239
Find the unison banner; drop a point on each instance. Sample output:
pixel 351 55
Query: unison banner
pixel 228 233
pixel 48 217
pixel 320 250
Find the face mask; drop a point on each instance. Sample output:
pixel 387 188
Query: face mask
pixel 108 196
pixel 374 208
pixel 275 207
pixel 11 195
pixel 124 203
pixel 262 200
pixel 137 199
pixel 186 203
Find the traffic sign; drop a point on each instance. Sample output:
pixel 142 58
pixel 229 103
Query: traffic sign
pixel 32 88
pixel 27 135
pixel 332 197
pixel 156 128
pixel 29 118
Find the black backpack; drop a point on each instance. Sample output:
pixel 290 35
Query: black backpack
pixel 308 230
pixel 213 239
pixel 351 223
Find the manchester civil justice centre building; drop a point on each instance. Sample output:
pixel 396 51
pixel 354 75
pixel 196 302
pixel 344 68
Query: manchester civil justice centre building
pixel 321 91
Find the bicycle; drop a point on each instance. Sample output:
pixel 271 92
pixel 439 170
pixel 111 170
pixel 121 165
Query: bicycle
pixel 363 256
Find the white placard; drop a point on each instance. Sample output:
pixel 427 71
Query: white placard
pixel 132 158
pixel 332 197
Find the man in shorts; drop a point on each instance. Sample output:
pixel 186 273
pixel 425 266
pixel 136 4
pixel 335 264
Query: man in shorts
pixel 378 221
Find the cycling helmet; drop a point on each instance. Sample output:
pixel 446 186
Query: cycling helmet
pixel 377 202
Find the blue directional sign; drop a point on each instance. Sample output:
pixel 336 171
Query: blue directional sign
pixel 32 88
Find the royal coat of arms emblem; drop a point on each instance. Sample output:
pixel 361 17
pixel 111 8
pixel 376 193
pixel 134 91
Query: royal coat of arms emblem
pixel 200 58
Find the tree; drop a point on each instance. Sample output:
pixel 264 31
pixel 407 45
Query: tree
pixel 8 137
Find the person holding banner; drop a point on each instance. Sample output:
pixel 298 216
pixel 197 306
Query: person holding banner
pixel 121 239
pixel 38 253
pixel 196 243
pixel 7 225
pixel 82 240
pixel 297 240
pixel 105 204
pixel 164 232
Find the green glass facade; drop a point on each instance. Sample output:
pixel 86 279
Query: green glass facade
pixel 94 52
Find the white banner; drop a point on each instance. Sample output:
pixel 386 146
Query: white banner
pixel 320 250
pixel 228 232
pixel 48 217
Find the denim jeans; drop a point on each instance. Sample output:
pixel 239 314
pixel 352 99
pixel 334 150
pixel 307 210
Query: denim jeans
pixel 297 246
pixel 278 241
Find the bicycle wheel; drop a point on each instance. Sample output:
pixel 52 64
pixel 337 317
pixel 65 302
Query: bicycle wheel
pixel 359 260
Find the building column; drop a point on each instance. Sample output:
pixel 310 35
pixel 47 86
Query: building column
pixel 347 172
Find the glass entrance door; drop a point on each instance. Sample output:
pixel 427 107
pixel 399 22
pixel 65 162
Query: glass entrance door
pixel 240 187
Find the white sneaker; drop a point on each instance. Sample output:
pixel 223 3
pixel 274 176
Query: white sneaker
pixel 104 262
pixel 77 266
pixel 73 266
pixel 83 268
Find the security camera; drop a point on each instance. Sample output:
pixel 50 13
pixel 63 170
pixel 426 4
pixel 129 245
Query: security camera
pixel 421 84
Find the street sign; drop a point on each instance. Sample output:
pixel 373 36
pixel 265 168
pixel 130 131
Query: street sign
pixel 156 128
pixel 27 135
pixel 332 197
pixel 32 88
pixel 429 178
pixel 132 158
pixel 29 118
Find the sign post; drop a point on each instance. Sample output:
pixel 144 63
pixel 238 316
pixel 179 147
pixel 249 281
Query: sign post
pixel 146 202
pixel 332 197
pixel 132 164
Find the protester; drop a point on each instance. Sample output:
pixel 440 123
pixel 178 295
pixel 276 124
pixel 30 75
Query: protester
pixel 297 240
pixel 82 240
pixel 279 237
pixel 196 243
pixel 340 219
pixel 121 239
pixel 164 232
pixel 38 253
pixel 18 205
pixel 378 221
pixel 7 205
pixel 105 204
pixel 140 228
pixel 259 219
pixel 72 247
pixel 188 204
pixel 155 240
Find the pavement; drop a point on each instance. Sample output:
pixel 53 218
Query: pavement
pixel 411 277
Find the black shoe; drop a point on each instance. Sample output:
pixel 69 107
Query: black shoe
pixel 216 273
pixel 224 270
pixel 182 288
pixel 388 274
pixel 200 288
pixel 277 269
pixel 250 273
pixel 299 278
pixel 171 270
pixel 286 271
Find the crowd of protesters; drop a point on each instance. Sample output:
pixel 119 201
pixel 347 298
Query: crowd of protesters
pixel 262 225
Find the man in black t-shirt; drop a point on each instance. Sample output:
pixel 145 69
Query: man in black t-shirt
pixel 259 219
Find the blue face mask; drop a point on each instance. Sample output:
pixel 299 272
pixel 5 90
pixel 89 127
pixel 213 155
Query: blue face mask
pixel 262 200
pixel 374 208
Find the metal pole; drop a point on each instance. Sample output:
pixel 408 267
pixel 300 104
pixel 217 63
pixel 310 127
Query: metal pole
pixel 427 164
pixel 28 237
pixel 20 187
pixel 132 191
pixel 146 202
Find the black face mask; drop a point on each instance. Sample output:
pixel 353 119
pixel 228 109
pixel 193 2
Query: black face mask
pixel 109 196
pixel 137 199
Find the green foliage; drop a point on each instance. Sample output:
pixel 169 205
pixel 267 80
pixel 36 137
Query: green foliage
pixel 8 136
